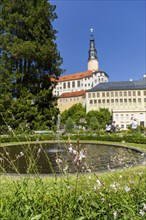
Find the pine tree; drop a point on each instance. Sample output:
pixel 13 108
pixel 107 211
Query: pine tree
pixel 29 58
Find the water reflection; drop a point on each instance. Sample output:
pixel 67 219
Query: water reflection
pixel 50 157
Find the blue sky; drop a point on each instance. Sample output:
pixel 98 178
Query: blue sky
pixel 119 33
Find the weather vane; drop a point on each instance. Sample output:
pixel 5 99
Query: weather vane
pixel 91 30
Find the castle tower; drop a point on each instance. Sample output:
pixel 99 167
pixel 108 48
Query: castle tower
pixel 92 59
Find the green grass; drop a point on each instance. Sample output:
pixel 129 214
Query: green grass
pixel 108 196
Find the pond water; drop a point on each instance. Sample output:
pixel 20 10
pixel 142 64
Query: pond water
pixel 64 157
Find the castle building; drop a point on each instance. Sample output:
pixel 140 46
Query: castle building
pixel 125 99
pixel 82 80
pixel 71 88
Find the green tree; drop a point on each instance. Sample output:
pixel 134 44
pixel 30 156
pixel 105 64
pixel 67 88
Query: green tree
pixel 101 116
pixel 29 58
pixel 69 125
pixel 93 124
pixel 76 112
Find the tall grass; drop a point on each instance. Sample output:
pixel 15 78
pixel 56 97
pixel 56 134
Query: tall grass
pixel 114 195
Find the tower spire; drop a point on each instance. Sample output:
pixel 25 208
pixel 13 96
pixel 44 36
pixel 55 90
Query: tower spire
pixel 92 55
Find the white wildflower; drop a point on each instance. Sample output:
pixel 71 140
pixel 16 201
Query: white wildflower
pixel 114 185
pixel 70 149
pixel 21 154
pixel 89 170
pixel 141 212
pixel 102 199
pixel 115 214
pixel 81 155
pixel 144 207
pixel 39 150
pixel 121 176
pixel 58 161
pixel 141 173
pixel 74 152
pixel 98 183
pixel 95 187
pixel 127 189
pixel 65 168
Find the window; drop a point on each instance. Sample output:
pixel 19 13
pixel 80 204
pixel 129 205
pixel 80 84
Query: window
pixel 122 126
pixel 116 94
pixel 78 83
pixel 116 117
pixel 122 116
pixel 134 93
pixel 125 100
pixel 99 101
pixel 139 100
pixel 138 93
pixel 127 116
pixel 116 100
pixel 89 95
pixel 64 85
pixel 103 100
pixel 103 94
pixel 144 93
pixel 134 100
pixel 112 100
pixel 125 93
pixel 93 95
pixel 107 100
pixel 73 84
pixel 91 101
pixel 129 93
pixel 112 94
pixel 121 100
pixel 107 94
pixel 130 100
pixel 68 84
pixel 144 99
pixel 95 101
pixel 98 94
pixel 120 93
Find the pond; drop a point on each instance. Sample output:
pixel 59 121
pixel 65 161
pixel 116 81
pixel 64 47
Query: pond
pixel 56 158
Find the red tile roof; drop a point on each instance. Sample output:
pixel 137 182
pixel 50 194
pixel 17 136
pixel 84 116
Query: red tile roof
pixel 72 94
pixel 75 76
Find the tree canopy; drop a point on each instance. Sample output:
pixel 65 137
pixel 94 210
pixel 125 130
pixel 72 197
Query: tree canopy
pixel 76 112
pixel 28 59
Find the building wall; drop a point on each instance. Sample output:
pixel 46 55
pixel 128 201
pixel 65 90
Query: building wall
pixel 66 103
pixel 125 105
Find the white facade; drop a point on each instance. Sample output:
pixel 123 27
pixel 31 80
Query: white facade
pixel 79 81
